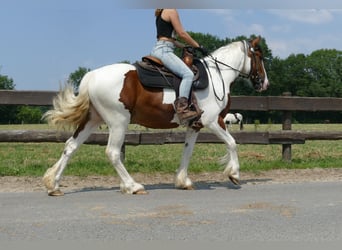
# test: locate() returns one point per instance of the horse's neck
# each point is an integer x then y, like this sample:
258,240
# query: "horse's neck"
230,60
232,54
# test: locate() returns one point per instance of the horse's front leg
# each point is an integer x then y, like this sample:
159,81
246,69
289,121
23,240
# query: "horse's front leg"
182,181
232,169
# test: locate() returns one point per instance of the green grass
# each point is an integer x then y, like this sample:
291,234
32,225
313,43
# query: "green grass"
20,159
32,159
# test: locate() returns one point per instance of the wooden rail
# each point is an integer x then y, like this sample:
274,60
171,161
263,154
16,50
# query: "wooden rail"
171,137
286,137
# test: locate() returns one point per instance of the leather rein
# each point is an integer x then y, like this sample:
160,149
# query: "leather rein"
248,48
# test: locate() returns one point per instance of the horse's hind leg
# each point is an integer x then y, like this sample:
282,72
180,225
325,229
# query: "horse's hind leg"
53,175
113,151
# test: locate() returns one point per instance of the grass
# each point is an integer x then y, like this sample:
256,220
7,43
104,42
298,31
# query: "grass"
32,159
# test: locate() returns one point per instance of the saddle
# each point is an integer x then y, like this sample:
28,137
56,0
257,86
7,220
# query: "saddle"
153,74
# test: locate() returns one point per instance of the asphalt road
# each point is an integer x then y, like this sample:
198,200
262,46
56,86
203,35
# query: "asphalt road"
265,212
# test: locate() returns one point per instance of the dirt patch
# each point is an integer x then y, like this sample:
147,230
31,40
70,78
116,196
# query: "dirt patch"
34,184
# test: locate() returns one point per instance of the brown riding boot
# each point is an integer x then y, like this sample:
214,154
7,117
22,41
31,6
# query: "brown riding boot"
183,111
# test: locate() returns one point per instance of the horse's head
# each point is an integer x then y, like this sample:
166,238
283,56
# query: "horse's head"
258,74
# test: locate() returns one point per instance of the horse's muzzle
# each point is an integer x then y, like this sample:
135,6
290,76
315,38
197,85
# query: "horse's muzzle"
260,84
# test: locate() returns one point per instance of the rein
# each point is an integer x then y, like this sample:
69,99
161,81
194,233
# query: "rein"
246,45
217,62
212,82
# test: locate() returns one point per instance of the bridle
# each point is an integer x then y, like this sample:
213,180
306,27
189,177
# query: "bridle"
256,55
256,78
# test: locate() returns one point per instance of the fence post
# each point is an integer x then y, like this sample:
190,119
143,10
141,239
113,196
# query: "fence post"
287,125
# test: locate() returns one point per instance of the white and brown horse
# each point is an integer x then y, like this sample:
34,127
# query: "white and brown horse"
114,95
232,118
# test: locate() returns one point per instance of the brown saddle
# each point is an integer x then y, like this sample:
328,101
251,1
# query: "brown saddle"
153,74
153,60
187,57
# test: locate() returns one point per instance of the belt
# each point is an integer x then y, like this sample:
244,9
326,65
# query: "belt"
163,38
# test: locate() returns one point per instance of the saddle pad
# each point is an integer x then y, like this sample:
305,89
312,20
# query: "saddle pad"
151,77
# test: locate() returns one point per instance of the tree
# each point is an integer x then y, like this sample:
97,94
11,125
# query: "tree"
7,112
75,77
15,113
6,82
208,41
290,75
318,74
324,68
28,115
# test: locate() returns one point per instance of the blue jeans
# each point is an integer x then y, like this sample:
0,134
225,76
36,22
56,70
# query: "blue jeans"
164,51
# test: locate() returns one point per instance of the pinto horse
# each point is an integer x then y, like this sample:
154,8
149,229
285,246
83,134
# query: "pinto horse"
231,118
114,95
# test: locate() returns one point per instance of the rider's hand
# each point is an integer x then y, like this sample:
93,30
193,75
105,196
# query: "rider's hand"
203,50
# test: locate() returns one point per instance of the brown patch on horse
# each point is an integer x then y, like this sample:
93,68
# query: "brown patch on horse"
146,104
81,126
223,113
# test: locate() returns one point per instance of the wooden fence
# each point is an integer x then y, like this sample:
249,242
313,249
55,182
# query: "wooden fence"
285,137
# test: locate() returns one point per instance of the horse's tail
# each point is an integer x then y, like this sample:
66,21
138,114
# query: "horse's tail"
69,110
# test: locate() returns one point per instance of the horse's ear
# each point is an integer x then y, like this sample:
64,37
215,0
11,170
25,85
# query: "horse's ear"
255,41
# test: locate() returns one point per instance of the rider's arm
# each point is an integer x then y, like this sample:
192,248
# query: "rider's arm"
172,16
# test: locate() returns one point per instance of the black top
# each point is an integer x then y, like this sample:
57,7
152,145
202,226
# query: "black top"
164,29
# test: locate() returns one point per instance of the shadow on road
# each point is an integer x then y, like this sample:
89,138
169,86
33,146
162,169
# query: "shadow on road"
200,185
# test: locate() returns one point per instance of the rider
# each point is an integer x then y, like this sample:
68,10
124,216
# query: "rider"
168,25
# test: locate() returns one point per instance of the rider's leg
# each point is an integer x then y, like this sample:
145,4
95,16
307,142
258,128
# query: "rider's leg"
164,50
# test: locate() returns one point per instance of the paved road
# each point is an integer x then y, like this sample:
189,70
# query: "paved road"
267,212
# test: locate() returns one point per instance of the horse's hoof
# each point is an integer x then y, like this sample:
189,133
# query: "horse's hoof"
141,192
56,193
234,180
